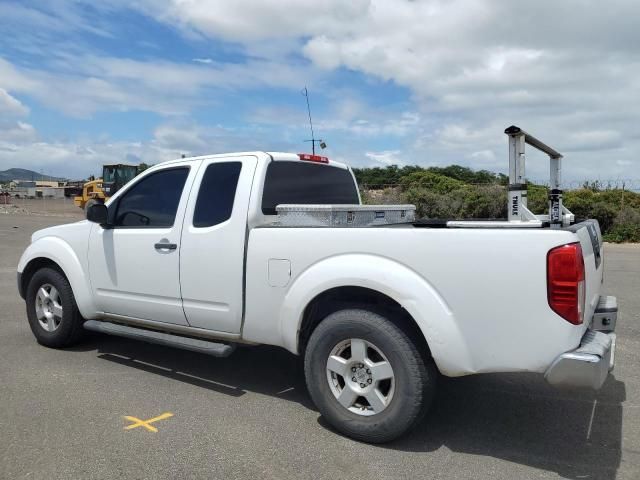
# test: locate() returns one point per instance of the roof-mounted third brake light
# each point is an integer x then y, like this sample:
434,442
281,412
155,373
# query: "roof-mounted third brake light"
313,158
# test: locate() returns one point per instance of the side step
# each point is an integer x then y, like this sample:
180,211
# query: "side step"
161,338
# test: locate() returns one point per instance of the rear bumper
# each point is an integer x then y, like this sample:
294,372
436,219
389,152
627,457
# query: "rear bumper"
588,365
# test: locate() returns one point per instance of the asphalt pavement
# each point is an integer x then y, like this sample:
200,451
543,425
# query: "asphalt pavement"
63,412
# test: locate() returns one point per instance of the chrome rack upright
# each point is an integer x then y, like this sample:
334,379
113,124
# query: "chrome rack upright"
558,214
518,214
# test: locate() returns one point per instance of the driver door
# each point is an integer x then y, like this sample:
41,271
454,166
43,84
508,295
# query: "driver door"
134,265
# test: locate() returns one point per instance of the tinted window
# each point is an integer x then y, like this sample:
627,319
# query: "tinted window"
306,183
217,191
153,201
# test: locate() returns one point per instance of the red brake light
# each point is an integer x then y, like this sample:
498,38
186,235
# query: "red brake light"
565,282
313,158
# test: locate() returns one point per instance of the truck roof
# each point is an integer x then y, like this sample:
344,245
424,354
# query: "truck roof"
261,156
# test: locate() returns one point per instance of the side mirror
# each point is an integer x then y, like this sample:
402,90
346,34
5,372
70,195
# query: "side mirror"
98,213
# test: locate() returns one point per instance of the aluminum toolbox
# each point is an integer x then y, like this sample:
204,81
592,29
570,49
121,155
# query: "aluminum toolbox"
344,215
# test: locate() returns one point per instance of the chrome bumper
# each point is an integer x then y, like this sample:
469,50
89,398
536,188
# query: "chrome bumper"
590,363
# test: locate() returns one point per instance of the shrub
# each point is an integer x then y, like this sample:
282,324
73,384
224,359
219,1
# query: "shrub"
484,201
458,192
470,201
434,205
386,196
625,228
538,199
586,203
431,181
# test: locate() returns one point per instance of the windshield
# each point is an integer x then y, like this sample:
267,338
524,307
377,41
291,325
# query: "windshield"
126,173
120,174
109,174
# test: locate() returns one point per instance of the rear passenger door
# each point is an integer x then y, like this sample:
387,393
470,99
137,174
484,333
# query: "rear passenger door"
213,244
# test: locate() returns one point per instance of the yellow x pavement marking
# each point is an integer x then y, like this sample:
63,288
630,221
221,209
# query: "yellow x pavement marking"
145,423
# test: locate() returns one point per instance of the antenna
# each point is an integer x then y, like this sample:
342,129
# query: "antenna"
313,140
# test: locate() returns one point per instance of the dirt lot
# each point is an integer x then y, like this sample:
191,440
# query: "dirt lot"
249,416
43,207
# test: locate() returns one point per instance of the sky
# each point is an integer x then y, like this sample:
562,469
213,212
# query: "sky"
429,83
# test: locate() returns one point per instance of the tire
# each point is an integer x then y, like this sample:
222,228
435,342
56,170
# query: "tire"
51,328
405,397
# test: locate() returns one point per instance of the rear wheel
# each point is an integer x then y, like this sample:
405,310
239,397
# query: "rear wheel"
366,376
51,309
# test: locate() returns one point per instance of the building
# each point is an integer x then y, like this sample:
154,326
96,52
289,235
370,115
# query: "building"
36,189
36,183
49,184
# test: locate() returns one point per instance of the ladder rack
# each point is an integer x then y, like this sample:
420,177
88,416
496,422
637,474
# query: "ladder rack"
518,214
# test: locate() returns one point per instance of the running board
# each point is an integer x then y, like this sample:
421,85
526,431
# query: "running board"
161,338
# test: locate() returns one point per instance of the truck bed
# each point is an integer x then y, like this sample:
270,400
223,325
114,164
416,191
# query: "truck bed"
481,292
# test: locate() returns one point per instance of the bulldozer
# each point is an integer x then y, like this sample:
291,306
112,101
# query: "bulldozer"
114,177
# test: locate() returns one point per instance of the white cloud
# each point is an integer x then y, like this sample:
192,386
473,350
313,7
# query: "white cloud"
10,106
565,71
81,85
593,140
79,158
17,132
255,20
194,139
385,157
344,113
369,125
58,16
484,156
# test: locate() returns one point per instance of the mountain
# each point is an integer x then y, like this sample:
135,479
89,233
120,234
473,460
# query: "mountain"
24,174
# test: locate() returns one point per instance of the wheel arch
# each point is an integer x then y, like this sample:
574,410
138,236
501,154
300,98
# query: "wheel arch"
341,298
381,283
55,253
31,268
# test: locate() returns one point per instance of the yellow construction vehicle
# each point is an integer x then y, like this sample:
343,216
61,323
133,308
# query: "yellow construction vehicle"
114,177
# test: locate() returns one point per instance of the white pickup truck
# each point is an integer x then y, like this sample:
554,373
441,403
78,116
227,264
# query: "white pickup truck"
193,254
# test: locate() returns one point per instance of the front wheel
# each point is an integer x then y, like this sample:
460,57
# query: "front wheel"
52,311
366,376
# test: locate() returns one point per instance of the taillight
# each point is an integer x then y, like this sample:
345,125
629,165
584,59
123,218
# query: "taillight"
313,158
565,282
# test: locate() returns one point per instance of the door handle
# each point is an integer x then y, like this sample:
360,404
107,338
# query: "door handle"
165,246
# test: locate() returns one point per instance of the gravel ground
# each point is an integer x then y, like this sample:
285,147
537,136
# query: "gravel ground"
249,416
47,207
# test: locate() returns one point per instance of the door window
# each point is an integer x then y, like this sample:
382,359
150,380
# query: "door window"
153,201
217,192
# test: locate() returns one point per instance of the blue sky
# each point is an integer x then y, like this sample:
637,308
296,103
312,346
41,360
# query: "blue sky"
427,82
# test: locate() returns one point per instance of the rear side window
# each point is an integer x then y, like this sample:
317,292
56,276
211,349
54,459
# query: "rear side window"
153,201
306,183
217,192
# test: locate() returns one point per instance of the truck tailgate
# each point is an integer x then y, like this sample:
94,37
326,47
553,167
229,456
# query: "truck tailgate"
590,237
